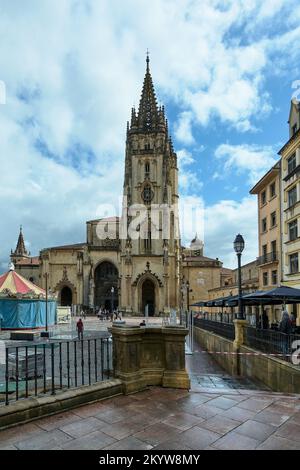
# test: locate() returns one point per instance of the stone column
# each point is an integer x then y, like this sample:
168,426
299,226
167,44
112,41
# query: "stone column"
239,326
175,374
239,340
127,343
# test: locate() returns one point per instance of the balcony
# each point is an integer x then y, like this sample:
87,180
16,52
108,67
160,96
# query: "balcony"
271,257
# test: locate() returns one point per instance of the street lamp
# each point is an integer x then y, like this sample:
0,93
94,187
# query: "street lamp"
239,245
46,277
112,290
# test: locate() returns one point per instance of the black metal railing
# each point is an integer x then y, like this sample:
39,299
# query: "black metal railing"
223,317
267,258
272,342
222,329
52,366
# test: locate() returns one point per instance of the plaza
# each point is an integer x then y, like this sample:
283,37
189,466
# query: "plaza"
218,413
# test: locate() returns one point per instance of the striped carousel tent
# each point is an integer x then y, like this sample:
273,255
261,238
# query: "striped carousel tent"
23,304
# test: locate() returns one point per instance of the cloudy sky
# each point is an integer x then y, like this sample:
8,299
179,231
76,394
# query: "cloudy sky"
73,69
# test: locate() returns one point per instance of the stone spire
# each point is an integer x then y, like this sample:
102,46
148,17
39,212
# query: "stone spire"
20,248
148,116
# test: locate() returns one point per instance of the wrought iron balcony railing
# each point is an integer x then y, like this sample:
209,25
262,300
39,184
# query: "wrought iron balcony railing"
267,258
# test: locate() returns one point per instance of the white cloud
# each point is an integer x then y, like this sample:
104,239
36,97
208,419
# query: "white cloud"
218,224
223,221
250,160
183,129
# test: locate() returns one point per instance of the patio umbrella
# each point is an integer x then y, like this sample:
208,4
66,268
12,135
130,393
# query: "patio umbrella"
278,295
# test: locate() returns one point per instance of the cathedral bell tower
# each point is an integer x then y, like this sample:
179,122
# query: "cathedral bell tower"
150,249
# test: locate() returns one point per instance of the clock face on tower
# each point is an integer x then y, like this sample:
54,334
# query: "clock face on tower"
147,194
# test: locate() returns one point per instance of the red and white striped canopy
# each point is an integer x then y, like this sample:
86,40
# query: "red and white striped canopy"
13,284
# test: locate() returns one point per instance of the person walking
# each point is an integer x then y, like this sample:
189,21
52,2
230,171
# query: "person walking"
285,326
265,320
80,328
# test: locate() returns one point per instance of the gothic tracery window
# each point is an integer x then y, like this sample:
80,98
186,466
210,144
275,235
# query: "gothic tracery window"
147,194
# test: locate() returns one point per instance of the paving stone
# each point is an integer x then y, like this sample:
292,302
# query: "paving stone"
182,420
17,433
93,441
56,421
129,443
255,404
278,443
223,403
235,441
82,427
289,430
113,415
206,411
220,424
43,441
272,418
198,438
123,429
258,431
238,414
172,445
157,433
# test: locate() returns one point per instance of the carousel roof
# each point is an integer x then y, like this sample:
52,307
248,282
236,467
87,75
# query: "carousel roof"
13,284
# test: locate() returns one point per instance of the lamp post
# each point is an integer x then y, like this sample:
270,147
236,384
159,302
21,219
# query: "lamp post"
112,290
239,245
46,277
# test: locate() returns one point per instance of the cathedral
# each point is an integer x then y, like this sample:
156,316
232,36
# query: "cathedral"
136,262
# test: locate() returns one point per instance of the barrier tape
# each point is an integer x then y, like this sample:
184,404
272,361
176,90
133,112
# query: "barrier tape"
243,353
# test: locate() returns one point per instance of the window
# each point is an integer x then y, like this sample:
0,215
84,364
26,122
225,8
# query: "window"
292,196
273,219
264,253
294,263
148,242
294,129
147,170
291,163
293,230
147,194
272,190
274,277
263,198
264,225
147,146
273,249
265,278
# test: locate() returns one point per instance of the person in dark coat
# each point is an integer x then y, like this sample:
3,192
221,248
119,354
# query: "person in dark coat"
80,328
285,326
264,321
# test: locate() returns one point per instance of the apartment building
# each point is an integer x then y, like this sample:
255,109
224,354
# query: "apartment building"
290,201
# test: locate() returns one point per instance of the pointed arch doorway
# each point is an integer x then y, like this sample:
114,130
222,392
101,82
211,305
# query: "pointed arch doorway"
148,297
66,297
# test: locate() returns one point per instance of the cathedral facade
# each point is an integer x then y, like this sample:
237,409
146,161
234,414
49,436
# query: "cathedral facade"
134,262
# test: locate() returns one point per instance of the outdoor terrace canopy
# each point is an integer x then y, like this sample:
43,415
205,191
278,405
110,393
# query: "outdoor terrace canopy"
278,295
23,304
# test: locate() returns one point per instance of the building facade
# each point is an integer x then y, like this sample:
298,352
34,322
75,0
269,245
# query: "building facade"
135,262
290,200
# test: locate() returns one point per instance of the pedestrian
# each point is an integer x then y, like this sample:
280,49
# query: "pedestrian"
143,323
285,326
265,321
80,328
